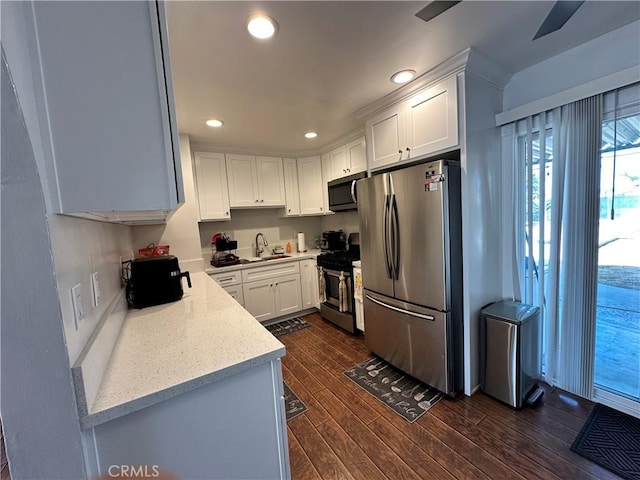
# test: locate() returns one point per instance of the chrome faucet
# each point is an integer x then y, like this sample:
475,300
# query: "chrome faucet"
264,243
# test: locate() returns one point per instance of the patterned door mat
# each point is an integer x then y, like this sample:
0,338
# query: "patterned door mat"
292,404
402,393
287,326
612,440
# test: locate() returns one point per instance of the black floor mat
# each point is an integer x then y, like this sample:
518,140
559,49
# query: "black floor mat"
292,404
402,393
612,440
287,326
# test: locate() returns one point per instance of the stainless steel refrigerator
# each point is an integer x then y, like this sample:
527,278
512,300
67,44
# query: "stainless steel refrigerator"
411,252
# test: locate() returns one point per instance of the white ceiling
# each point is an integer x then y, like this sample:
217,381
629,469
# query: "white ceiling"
331,58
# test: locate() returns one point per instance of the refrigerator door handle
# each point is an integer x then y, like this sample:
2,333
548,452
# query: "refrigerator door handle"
385,235
406,312
395,235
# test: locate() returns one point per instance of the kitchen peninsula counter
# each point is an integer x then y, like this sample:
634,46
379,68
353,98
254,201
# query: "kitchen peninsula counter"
171,349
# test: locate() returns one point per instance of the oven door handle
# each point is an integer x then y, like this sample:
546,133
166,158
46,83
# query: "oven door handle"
335,273
401,310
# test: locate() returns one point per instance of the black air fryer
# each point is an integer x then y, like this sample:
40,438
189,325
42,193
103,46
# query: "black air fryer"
155,281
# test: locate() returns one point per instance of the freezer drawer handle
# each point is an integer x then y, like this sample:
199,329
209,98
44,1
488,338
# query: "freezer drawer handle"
406,312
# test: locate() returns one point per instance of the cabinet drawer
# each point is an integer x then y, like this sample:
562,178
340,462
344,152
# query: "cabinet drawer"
236,292
262,273
228,278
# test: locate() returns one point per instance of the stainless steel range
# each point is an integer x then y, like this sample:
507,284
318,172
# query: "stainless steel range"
337,276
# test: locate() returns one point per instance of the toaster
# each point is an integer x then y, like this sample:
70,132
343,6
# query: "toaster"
154,281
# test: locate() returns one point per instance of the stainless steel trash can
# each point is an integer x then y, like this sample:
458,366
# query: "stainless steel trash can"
510,353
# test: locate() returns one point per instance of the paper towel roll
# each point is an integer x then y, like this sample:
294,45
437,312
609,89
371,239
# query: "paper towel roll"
301,245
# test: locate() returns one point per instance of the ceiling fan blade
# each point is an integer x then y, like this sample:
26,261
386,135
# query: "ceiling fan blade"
435,8
560,12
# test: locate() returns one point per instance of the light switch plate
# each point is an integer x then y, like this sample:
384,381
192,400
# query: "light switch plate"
76,302
95,289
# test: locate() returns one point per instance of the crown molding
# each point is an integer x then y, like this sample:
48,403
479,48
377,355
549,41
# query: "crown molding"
469,61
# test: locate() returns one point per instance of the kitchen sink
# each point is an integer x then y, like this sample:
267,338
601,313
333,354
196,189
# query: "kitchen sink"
276,257
244,261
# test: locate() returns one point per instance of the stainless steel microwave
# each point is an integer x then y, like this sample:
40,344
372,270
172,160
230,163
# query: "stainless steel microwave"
342,192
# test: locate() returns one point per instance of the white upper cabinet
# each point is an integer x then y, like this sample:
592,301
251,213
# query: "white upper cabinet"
425,123
255,181
292,193
271,191
385,137
109,107
243,181
356,156
432,119
348,159
210,174
311,185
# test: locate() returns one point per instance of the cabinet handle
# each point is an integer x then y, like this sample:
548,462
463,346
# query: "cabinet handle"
289,210
276,284
320,208
262,201
400,152
348,170
226,213
256,200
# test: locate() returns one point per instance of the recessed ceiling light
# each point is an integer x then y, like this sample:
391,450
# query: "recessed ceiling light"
310,135
262,26
403,76
214,122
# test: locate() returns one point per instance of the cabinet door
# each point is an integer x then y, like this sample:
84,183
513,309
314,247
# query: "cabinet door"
109,103
356,156
309,281
243,183
339,166
236,292
385,137
259,299
211,186
292,193
271,192
311,185
288,295
432,119
326,173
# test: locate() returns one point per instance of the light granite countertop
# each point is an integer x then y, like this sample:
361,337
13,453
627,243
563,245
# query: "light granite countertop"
171,349
294,257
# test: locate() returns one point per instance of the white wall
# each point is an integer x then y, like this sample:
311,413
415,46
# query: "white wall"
181,231
607,54
346,221
81,247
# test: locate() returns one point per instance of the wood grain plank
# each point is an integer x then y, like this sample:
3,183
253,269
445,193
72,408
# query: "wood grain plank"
315,412
494,445
393,466
301,466
320,454
491,465
418,460
443,450
530,425
311,383
356,461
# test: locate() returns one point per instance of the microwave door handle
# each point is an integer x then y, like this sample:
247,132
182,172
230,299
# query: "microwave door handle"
353,191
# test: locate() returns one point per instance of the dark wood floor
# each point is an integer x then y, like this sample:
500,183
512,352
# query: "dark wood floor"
346,433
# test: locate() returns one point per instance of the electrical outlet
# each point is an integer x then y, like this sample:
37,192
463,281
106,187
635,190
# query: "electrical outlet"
95,289
76,302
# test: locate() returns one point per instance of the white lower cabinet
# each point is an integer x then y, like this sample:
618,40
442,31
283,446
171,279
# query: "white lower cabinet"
273,297
309,280
199,433
236,292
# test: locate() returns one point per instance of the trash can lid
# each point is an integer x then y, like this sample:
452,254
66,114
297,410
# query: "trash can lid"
512,312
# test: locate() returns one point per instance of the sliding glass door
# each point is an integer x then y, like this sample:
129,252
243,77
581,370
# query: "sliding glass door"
617,342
